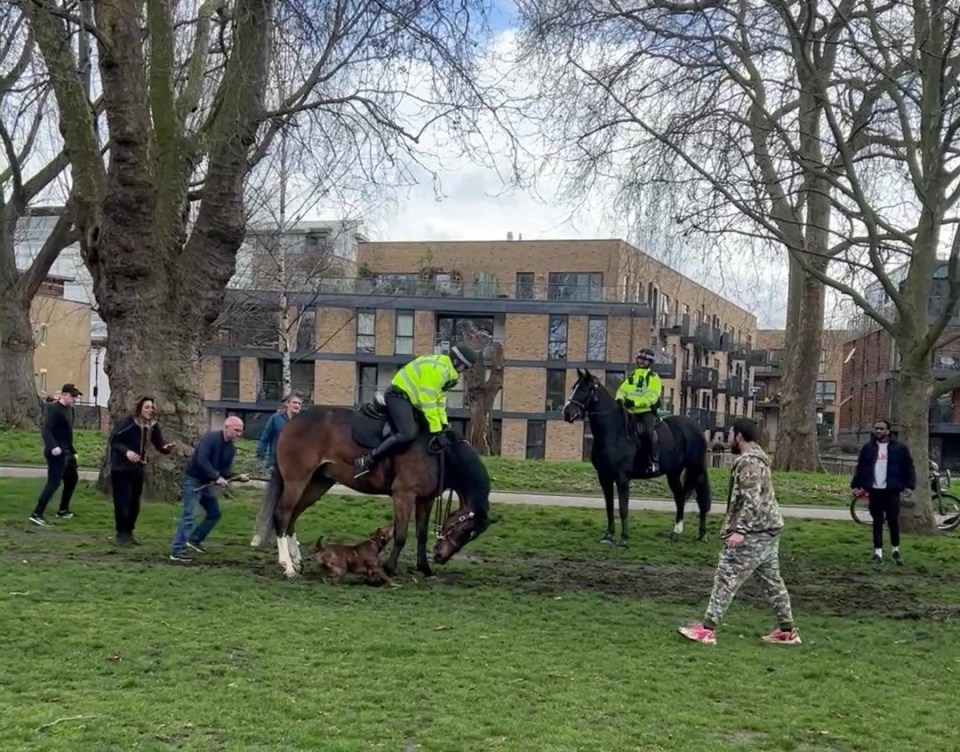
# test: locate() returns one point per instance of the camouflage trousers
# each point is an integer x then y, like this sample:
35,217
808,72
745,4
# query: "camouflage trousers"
759,554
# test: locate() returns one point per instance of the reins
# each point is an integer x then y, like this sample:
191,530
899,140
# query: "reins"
442,510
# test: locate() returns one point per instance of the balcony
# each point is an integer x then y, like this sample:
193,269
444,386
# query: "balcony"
733,386
442,343
675,326
766,400
665,367
708,337
756,358
701,377
740,352
771,365
706,419
482,287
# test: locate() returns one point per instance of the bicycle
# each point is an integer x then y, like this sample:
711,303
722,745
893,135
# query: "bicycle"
946,506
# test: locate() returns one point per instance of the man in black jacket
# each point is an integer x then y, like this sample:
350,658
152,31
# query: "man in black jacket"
60,455
884,470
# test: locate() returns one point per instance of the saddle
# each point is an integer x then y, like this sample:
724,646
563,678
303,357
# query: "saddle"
369,424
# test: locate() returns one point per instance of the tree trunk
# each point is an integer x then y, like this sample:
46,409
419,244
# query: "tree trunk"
19,406
914,390
797,434
155,352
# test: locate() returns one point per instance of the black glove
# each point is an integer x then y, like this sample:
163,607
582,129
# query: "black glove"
439,441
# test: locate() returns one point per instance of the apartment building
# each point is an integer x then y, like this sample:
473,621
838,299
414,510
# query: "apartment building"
767,362
553,305
61,330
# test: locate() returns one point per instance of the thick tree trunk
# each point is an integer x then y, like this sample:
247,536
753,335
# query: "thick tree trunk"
155,352
19,406
914,390
797,433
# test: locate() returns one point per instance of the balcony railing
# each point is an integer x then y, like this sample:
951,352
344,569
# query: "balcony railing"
733,386
765,400
706,419
676,325
701,377
487,289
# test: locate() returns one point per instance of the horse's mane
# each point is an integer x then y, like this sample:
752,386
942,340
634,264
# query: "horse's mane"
466,474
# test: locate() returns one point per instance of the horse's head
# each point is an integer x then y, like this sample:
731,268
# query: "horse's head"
467,476
457,530
583,398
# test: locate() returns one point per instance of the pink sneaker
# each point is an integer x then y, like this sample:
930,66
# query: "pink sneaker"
699,633
779,637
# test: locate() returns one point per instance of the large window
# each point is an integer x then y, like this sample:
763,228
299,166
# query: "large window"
575,286
453,328
366,331
556,388
301,379
525,285
597,339
271,381
367,379
536,439
826,393
613,381
403,342
230,378
557,338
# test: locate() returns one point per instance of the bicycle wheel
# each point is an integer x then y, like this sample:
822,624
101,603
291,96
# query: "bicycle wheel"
860,511
947,512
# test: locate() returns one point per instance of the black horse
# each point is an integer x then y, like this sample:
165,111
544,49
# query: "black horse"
618,458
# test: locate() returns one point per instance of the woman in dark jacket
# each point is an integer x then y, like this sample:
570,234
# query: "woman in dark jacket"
128,459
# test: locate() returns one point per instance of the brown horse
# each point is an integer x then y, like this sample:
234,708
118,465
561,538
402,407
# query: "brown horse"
317,448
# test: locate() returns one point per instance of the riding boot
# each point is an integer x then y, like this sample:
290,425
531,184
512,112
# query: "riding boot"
654,452
362,465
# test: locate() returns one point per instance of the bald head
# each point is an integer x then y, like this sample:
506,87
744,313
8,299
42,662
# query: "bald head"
232,428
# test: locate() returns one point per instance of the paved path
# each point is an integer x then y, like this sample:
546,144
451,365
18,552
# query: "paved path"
499,497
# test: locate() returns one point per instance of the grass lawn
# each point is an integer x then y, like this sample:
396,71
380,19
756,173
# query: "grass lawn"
575,478
535,637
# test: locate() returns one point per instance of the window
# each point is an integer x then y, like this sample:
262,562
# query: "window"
271,381
556,388
536,439
306,331
229,378
596,338
403,342
613,381
42,381
826,392
557,338
367,379
366,331
822,368
525,285
42,335
575,286
301,379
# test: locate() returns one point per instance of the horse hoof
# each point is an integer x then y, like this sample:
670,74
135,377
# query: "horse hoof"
702,538
622,543
290,574
674,536
606,538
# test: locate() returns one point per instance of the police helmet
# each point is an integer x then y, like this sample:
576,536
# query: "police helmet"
646,353
463,356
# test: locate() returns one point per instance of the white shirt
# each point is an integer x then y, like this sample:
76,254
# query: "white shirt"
880,468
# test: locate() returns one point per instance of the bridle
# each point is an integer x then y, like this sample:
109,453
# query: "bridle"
445,508
585,409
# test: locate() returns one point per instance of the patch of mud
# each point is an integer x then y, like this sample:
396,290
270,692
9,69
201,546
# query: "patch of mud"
848,594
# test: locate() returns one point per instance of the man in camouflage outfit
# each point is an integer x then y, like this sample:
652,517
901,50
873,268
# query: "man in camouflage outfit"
751,534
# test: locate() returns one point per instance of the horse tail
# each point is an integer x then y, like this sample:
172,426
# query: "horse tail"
266,527
695,454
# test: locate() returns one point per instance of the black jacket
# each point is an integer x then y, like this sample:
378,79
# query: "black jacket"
900,471
128,435
57,430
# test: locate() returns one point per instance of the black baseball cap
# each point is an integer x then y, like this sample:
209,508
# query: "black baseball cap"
72,390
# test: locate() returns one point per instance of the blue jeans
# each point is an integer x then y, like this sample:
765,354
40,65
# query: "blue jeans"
193,495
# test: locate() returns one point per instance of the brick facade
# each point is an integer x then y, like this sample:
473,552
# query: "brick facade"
632,286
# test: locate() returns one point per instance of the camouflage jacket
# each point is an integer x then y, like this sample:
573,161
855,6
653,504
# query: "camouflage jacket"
751,503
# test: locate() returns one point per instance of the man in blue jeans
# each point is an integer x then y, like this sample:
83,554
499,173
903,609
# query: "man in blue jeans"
209,465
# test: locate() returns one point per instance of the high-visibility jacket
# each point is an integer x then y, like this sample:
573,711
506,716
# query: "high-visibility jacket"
640,391
425,380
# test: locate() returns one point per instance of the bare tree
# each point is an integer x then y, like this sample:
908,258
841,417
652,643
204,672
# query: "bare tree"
827,129
189,111
481,384
30,174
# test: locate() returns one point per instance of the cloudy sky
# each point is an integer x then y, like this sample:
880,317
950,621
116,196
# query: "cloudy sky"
475,204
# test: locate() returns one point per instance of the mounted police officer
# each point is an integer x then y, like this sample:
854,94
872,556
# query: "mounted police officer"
420,385
640,394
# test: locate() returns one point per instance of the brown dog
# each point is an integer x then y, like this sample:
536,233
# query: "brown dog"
362,558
